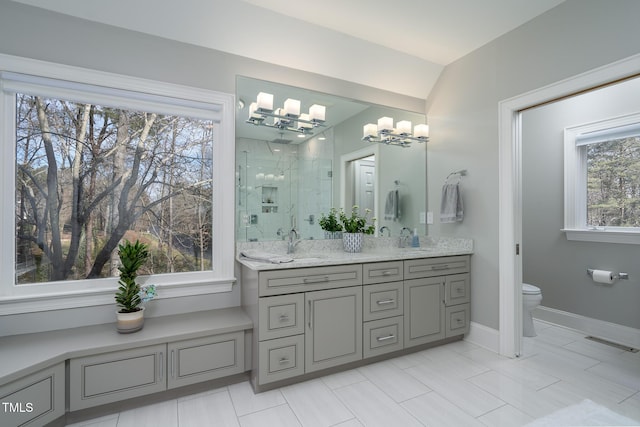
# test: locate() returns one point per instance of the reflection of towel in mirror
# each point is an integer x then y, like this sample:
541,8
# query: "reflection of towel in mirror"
451,209
392,206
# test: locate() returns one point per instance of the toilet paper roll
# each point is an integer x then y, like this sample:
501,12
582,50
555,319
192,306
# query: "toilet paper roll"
603,276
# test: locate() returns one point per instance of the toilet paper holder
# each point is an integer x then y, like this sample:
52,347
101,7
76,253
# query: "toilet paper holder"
619,276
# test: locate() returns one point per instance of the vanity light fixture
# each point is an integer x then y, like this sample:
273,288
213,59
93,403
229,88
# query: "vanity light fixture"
401,135
261,113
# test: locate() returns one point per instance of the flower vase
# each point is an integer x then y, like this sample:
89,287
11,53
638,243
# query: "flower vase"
333,234
130,322
352,242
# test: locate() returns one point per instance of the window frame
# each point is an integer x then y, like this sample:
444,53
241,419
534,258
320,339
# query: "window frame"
25,298
575,186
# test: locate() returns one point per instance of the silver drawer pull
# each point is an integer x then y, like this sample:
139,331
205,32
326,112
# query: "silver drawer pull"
316,279
386,273
459,320
284,317
440,267
460,290
283,361
385,302
389,337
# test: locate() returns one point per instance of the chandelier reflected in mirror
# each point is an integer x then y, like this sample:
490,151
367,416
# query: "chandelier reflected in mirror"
401,135
289,118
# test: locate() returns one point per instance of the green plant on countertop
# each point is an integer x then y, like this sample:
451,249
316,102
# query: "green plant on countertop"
129,295
356,223
330,222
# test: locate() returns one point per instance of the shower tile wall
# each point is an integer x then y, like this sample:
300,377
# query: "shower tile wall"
279,186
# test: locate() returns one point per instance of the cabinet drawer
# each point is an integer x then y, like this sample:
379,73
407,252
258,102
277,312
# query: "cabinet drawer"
293,280
380,272
429,267
281,358
382,300
456,289
457,319
109,377
280,316
382,336
203,359
34,400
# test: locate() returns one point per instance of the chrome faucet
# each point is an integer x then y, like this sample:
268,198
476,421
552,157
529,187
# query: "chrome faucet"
293,241
404,240
384,227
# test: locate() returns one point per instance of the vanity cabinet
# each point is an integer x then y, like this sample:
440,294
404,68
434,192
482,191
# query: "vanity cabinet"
34,400
333,334
309,319
383,307
437,298
424,311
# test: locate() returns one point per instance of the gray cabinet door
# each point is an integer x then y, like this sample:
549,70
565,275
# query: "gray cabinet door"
109,377
34,400
423,310
203,359
333,333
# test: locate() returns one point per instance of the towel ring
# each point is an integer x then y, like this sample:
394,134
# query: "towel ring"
459,175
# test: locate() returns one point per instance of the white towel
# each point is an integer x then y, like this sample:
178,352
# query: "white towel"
256,255
392,206
451,208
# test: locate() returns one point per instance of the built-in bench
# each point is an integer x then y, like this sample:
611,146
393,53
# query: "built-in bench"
95,365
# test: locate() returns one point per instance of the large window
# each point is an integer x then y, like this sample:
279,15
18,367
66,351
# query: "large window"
602,180
91,160
89,176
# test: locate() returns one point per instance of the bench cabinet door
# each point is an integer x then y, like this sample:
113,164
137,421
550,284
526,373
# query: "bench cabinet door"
110,377
202,359
35,399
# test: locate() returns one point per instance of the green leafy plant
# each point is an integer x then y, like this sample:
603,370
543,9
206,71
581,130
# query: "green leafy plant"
330,222
356,223
132,257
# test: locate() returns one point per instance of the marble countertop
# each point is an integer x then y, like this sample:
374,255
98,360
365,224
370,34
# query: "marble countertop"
316,253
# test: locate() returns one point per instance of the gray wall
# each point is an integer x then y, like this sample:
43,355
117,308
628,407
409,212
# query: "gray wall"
550,261
462,111
35,33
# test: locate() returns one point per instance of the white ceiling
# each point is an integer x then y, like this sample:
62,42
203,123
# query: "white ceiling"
399,45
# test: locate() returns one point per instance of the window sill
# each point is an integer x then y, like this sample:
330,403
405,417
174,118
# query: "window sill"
603,236
44,302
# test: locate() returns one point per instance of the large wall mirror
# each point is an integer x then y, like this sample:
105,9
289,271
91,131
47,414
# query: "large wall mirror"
286,179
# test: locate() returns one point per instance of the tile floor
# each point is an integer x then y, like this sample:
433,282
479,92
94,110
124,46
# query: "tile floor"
459,384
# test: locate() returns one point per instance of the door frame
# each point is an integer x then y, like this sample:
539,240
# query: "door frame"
345,159
510,187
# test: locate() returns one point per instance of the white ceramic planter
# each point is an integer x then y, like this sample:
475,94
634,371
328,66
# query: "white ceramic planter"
130,322
352,242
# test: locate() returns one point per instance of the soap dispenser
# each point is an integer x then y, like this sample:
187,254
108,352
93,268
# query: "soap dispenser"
415,241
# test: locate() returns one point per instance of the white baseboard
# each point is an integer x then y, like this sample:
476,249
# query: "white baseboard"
598,328
484,336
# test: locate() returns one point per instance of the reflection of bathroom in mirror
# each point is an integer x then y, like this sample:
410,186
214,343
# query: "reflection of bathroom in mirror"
286,179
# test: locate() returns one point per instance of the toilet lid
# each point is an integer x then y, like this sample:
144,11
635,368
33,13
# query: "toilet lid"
528,289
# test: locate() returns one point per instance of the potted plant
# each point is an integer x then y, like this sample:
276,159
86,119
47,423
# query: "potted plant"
130,296
331,225
355,227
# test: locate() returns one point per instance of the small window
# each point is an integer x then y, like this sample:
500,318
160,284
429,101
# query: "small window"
602,181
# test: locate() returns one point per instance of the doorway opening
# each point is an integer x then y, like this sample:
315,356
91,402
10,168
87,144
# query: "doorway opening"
510,188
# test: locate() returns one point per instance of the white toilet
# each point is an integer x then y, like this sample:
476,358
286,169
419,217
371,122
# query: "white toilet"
531,298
